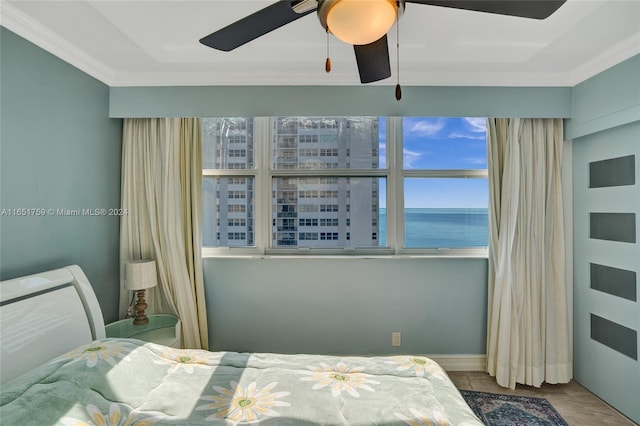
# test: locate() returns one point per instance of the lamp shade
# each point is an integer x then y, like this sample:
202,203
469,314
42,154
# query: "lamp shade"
140,274
359,22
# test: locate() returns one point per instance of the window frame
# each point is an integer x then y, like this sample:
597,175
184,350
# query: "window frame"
263,173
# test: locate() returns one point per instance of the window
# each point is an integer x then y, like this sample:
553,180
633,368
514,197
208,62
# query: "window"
228,202
328,207
328,236
309,222
445,188
308,236
345,184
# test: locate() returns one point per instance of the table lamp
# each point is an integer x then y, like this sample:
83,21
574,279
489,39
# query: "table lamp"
139,276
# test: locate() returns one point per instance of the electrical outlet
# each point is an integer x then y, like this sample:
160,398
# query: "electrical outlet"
395,338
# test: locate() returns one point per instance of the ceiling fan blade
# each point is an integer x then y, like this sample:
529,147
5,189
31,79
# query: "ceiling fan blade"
523,8
255,25
373,60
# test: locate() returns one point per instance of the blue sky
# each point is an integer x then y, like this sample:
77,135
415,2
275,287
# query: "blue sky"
442,143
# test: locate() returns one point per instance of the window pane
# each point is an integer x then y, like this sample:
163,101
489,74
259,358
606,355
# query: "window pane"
326,212
227,143
444,143
320,143
228,206
446,213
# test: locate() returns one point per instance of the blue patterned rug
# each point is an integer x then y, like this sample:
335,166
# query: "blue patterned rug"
496,409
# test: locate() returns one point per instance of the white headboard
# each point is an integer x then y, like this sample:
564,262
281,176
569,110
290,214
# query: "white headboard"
45,315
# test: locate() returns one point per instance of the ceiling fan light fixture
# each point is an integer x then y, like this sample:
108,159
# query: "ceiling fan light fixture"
358,22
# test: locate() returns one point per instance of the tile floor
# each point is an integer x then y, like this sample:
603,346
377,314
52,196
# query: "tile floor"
578,406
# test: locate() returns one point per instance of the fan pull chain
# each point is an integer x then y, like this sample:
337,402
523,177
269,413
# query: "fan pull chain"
398,88
327,64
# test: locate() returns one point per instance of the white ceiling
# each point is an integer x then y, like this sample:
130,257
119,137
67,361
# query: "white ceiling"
154,42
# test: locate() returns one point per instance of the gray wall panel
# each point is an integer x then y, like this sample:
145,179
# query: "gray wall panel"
617,337
615,281
613,226
613,172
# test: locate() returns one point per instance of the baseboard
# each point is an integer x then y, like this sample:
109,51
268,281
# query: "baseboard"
461,362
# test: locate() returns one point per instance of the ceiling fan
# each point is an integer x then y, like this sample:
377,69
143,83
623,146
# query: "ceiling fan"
362,23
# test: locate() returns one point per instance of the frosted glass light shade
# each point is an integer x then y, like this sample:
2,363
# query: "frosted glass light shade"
140,274
361,22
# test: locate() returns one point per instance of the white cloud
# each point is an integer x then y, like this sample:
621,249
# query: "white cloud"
410,157
476,161
475,128
426,127
476,124
467,136
382,155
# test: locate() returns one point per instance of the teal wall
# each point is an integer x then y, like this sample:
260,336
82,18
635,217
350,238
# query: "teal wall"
347,305
340,100
605,101
59,149
606,124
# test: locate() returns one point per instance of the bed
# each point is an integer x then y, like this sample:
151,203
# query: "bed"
57,368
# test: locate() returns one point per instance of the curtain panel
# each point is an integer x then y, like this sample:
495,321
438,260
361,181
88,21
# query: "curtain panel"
528,324
161,191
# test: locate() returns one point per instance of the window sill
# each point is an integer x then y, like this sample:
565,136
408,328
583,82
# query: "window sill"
481,253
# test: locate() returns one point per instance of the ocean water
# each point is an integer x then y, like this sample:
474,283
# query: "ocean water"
434,228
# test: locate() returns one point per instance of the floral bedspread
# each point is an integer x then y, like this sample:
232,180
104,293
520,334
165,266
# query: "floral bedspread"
128,382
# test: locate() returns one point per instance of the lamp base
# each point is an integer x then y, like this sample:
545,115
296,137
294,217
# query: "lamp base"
141,321
140,307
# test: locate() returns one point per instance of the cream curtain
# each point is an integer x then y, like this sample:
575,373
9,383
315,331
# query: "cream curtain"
528,324
161,191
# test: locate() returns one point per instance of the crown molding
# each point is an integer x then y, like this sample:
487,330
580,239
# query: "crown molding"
618,53
33,31
407,78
